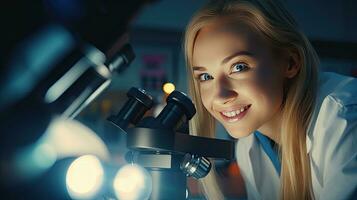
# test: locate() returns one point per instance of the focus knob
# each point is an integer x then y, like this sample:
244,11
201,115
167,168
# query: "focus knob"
195,166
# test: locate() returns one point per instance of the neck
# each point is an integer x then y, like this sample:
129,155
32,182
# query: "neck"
272,128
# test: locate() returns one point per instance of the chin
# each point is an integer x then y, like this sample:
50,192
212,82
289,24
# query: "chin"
238,134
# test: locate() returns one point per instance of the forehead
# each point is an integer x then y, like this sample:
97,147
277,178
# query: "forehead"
220,38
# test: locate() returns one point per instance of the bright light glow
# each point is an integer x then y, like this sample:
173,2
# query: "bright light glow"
63,138
70,138
132,182
84,177
168,88
44,155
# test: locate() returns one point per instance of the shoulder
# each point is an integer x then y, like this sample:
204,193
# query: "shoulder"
336,106
341,89
333,130
332,136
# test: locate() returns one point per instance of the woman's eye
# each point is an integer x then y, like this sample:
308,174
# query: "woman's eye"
239,67
205,77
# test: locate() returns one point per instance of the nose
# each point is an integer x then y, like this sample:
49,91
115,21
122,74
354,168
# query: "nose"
225,92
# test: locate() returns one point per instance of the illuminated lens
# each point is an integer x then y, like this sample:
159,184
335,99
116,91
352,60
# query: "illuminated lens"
84,177
168,88
132,182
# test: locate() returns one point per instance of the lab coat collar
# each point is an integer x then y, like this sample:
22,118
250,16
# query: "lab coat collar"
250,142
256,162
308,143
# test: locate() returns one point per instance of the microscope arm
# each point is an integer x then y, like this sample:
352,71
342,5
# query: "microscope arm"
147,139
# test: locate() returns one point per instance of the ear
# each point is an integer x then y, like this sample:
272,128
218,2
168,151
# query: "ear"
293,66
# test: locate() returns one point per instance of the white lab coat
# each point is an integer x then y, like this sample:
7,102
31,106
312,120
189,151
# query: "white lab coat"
331,145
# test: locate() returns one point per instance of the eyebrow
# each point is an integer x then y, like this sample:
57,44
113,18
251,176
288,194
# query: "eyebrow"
198,68
225,60
239,53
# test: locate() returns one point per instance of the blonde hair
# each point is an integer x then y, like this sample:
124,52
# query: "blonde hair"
275,24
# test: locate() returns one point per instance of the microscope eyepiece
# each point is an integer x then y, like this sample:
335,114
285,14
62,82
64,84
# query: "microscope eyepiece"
134,109
179,109
184,102
141,96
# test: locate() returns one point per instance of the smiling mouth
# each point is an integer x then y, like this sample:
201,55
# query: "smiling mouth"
235,115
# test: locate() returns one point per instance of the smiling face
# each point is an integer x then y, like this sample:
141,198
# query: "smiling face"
240,78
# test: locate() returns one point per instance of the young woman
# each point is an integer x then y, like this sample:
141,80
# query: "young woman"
254,71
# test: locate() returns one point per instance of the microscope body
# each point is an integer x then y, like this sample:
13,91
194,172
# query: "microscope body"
163,145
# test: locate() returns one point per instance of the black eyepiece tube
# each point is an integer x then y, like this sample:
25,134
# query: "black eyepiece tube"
134,109
178,110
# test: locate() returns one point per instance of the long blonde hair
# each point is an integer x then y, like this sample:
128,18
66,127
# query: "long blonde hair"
272,20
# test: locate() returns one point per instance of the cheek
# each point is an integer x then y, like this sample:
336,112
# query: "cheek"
206,97
268,87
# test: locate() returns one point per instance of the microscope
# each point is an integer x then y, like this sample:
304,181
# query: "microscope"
163,145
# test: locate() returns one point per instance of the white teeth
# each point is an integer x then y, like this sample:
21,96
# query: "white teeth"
229,114
234,113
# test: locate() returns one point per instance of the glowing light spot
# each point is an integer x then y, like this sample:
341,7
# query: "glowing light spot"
84,177
168,88
132,182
